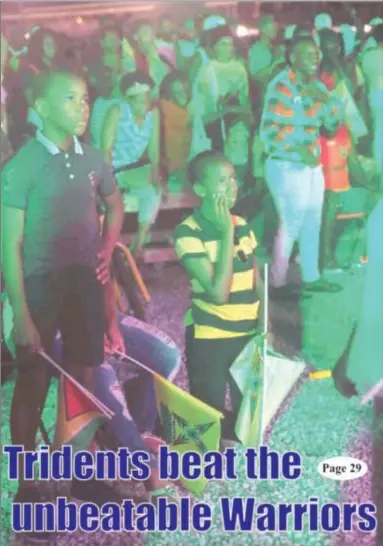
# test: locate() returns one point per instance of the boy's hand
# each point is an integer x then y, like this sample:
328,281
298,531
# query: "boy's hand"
113,341
25,334
223,219
103,268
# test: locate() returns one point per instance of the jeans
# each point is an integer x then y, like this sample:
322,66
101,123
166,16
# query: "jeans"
297,192
136,412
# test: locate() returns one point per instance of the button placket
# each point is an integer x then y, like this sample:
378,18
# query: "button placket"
68,165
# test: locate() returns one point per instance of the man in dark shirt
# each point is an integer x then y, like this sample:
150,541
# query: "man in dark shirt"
55,259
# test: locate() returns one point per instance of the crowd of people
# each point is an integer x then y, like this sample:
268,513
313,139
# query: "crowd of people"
278,129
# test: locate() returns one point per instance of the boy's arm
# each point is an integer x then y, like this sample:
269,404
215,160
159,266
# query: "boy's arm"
25,332
109,131
114,218
215,279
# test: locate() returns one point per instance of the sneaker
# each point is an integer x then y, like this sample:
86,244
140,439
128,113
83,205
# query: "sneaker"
33,495
287,293
322,286
95,491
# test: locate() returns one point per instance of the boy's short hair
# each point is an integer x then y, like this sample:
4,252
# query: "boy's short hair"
197,166
44,80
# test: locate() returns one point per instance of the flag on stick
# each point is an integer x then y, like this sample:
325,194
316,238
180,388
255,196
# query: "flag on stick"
249,372
189,424
79,414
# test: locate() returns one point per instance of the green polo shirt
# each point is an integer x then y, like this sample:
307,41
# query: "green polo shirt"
59,192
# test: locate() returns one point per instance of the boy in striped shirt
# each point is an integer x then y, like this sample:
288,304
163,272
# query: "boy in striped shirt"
217,251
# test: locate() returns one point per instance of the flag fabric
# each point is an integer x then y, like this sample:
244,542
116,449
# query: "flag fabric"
189,424
78,417
248,372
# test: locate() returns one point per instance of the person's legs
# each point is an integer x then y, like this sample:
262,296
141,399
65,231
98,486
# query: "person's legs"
288,185
157,351
149,201
208,363
332,200
27,402
309,235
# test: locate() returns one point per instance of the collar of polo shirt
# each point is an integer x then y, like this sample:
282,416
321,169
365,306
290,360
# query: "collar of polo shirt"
53,149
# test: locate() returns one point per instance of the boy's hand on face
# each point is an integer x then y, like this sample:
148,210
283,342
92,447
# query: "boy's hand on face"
25,334
103,268
223,219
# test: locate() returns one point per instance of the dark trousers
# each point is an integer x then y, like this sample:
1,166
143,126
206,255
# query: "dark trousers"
207,363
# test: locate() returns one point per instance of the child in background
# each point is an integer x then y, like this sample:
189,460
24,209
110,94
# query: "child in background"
217,251
176,124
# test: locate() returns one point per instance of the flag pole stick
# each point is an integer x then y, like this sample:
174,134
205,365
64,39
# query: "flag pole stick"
104,409
137,362
372,393
264,356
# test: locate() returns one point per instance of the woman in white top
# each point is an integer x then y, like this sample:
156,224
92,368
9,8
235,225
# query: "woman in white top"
131,144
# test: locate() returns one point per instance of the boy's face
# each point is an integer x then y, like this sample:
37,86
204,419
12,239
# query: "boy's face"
65,105
49,46
139,104
239,135
224,49
180,93
219,180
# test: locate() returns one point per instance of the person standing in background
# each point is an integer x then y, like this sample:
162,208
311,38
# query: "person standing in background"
147,57
104,86
263,62
372,66
344,81
5,145
296,106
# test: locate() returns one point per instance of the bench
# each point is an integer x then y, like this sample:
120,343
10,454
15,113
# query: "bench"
173,210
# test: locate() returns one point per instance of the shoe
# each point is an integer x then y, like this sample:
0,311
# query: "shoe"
322,286
95,491
32,495
287,293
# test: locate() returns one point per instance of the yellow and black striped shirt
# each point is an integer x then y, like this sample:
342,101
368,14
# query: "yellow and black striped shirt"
196,237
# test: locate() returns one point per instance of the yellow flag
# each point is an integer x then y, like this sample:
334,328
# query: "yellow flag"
189,424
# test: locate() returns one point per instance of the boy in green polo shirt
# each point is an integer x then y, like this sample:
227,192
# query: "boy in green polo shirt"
55,261
217,251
